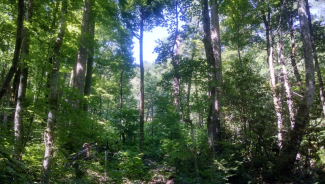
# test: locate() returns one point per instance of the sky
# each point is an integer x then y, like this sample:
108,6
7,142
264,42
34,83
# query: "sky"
149,44
149,38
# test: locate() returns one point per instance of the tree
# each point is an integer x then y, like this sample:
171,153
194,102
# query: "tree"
292,145
53,96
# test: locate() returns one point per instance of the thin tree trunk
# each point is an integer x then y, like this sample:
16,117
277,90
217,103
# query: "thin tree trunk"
19,39
213,120
141,143
238,50
121,100
215,35
276,101
319,74
18,121
292,146
53,97
79,79
90,60
293,51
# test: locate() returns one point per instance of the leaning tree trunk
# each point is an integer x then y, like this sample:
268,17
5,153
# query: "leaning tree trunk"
79,78
141,143
215,35
19,39
213,119
90,61
292,146
18,120
53,97
319,74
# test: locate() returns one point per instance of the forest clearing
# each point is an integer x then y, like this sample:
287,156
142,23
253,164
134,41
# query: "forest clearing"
235,94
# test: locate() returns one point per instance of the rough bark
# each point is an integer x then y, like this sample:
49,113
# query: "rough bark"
215,36
90,61
286,84
79,79
141,143
53,97
292,146
213,120
19,39
19,112
319,74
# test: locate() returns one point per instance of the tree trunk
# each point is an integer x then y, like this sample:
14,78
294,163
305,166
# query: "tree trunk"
79,79
18,121
53,97
286,84
141,143
276,101
292,146
293,50
19,39
238,49
213,120
319,74
90,60
215,35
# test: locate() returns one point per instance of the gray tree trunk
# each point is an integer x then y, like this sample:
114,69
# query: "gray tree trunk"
292,146
19,112
53,97
213,119
215,36
319,74
79,78
90,61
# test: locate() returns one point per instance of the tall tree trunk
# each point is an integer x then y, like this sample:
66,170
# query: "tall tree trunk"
90,60
319,74
19,39
141,143
53,97
293,50
286,84
292,146
175,62
18,121
213,120
276,100
121,101
238,48
79,79
215,35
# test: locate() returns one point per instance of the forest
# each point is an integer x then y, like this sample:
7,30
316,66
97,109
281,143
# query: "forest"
235,95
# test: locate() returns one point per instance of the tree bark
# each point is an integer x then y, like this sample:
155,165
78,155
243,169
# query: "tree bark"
292,146
53,97
141,143
19,39
215,35
319,74
90,61
213,120
286,84
79,79
18,120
